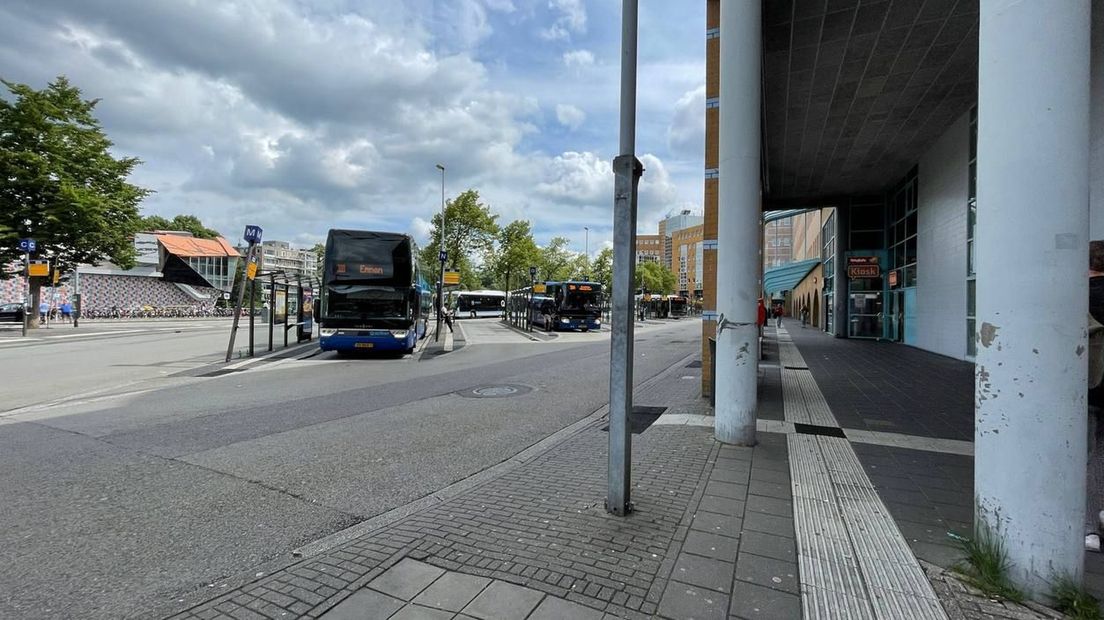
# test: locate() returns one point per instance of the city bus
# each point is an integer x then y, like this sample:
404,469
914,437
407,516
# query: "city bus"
568,305
478,304
373,297
677,306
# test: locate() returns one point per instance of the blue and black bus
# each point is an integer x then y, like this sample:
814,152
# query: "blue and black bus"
373,296
568,306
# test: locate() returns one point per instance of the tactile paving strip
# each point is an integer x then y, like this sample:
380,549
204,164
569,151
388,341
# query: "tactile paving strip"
854,562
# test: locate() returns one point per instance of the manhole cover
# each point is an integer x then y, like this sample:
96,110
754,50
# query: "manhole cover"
495,391
498,390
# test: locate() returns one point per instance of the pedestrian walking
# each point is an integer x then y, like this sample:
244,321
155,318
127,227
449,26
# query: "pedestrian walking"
67,312
804,314
43,311
778,317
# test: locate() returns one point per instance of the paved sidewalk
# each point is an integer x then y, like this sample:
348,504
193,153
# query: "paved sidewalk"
841,510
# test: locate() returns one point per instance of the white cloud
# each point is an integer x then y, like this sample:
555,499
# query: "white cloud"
572,20
578,58
569,115
686,133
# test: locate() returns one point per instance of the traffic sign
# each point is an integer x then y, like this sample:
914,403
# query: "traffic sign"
443,256
28,245
252,234
251,270
452,277
532,272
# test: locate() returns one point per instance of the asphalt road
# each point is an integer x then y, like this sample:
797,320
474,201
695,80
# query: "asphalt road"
127,503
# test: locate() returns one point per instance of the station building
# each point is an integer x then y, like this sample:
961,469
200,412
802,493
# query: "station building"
941,152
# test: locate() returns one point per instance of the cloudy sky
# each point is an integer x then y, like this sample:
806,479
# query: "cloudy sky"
305,115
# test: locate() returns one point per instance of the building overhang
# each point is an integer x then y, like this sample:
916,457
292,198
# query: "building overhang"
854,92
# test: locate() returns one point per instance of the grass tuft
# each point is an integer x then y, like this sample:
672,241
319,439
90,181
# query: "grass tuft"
1071,599
986,564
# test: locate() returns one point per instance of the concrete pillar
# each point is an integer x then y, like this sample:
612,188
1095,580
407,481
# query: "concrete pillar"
1032,263
839,287
1096,121
738,221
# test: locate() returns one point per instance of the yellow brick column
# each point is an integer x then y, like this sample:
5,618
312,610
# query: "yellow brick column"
709,243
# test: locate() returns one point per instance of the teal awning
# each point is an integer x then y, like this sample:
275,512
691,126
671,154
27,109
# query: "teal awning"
786,277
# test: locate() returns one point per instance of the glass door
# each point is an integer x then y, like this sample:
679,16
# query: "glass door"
865,315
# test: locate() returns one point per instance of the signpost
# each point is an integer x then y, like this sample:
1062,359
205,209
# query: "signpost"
28,246
253,237
443,256
452,278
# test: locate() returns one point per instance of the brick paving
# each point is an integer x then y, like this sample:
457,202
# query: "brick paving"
712,534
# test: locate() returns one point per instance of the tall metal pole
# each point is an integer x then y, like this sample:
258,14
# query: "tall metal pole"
252,311
241,297
27,296
586,247
441,252
627,169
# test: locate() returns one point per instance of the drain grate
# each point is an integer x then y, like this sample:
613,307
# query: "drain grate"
812,429
796,367
641,418
694,364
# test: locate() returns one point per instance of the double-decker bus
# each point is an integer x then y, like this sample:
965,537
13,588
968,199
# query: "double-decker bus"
568,305
373,296
478,304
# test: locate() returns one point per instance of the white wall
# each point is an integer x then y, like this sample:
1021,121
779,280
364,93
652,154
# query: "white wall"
943,178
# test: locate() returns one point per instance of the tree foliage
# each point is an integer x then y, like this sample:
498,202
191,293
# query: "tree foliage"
186,223
470,231
602,270
654,278
60,184
516,251
556,260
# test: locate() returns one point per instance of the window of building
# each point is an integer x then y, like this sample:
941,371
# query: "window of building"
901,232
828,257
971,227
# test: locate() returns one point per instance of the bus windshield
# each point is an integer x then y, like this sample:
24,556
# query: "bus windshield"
583,297
383,259
366,302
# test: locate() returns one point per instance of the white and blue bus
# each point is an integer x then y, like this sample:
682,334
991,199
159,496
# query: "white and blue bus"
373,296
478,304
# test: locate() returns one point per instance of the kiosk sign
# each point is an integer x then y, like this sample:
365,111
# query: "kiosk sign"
863,267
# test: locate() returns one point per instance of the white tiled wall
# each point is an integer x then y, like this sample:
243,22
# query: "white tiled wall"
941,246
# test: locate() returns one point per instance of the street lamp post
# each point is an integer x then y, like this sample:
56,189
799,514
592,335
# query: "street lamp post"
587,250
443,256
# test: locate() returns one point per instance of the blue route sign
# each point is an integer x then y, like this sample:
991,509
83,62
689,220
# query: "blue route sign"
28,245
252,234
443,256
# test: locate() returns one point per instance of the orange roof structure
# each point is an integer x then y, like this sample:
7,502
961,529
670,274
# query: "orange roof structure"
189,247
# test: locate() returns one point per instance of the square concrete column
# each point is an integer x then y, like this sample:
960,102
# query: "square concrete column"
1032,302
738,221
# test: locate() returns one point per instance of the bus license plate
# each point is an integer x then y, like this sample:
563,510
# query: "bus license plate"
365,345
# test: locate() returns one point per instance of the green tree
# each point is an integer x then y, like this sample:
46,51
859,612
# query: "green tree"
470,230
516,252
59,183
319,250
555,260
654,278
602,271
186,223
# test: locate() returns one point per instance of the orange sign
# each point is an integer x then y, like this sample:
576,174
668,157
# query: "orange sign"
38,269
452,277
